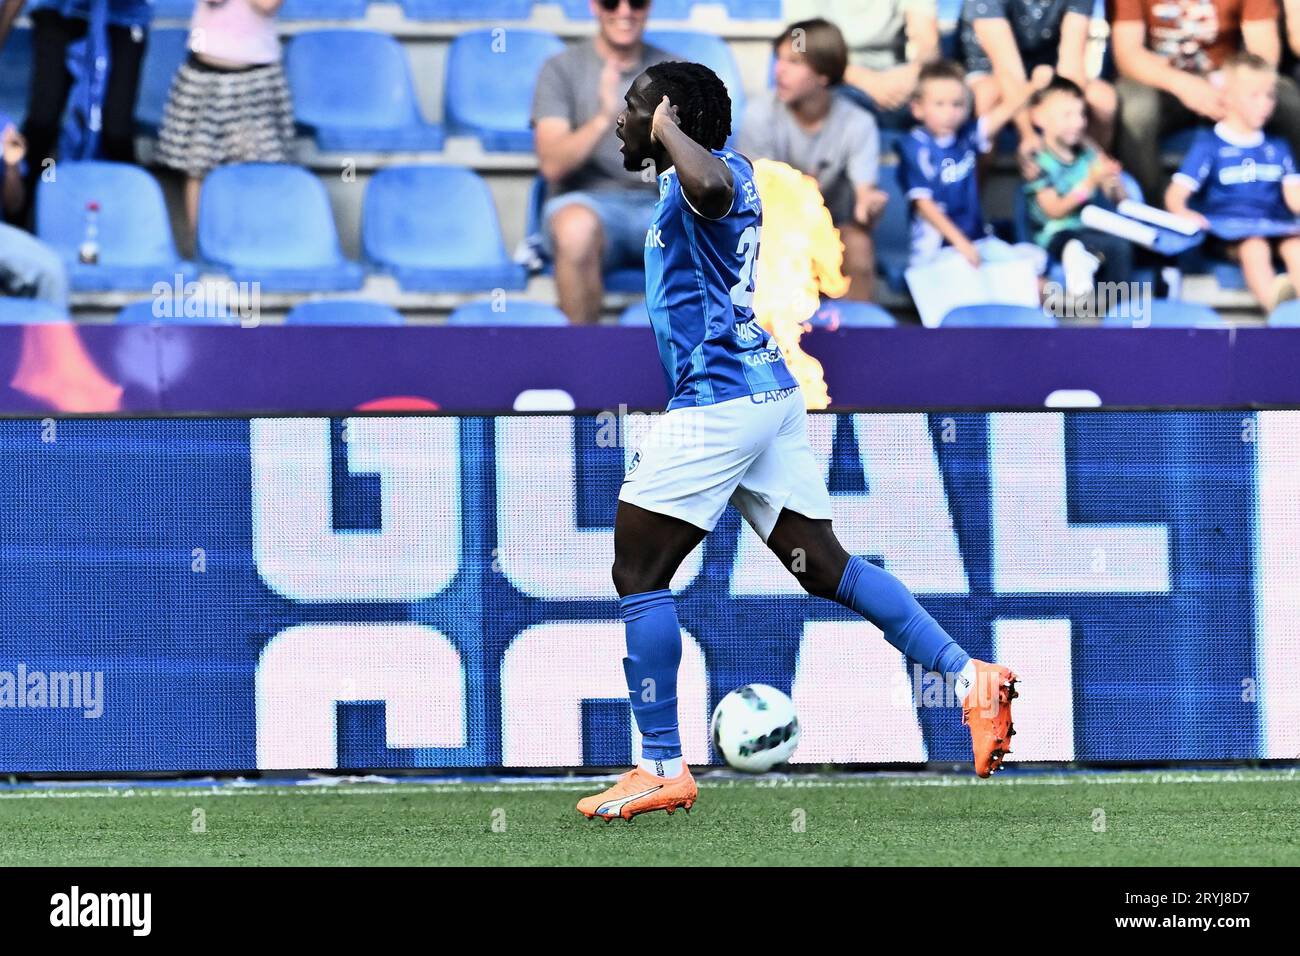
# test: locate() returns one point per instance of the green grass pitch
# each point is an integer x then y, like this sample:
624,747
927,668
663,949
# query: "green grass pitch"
1148,818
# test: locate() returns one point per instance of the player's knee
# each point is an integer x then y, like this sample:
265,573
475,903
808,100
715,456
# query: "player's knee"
576,232
629,578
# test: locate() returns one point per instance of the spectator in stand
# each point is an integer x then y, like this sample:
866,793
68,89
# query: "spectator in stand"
1003,40
803,123
1169,54
882,71
1246,183
937,162
1074,173
229,102
28,267
57,24
597,213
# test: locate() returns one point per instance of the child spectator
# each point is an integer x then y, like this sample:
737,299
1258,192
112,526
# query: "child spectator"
937,160
28,267
889,41
229,102
801,122
1245,182
1073,173
1003,40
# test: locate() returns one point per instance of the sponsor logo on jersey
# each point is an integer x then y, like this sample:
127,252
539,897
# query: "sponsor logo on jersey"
773,395
749,331
654,238
954,171
1249,171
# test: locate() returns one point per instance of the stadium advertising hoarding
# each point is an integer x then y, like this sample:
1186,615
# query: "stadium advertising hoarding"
205,370
433,591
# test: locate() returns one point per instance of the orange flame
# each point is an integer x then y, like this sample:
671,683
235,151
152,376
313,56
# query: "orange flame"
800,259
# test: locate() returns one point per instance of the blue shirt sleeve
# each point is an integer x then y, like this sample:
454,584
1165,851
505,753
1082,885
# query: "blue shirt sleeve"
913,176
1198,163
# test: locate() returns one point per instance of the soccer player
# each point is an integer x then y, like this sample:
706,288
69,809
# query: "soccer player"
734,430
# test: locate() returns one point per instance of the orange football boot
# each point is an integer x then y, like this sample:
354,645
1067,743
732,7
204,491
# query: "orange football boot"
987,712
639,791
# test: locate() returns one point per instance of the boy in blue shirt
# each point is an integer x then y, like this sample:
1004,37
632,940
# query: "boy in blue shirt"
1245,183
937,160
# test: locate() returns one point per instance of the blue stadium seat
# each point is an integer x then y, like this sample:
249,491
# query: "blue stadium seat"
435,229
353,90
323,10
515,312
662,9
1168,314
198,311
172,9
844,314
635,314
713,52
949,10
20,311
272,223
164,52
343,312
136,249
460,10
995,316
16,75
754,9
893,233
1286,315
490,79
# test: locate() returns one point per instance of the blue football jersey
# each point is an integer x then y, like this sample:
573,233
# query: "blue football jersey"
1238,176
943,170
699,282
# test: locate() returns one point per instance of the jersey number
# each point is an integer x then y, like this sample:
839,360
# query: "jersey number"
742,293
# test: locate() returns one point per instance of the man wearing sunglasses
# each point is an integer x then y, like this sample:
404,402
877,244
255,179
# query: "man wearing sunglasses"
597,212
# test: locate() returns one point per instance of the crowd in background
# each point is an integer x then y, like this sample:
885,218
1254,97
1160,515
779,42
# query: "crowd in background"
847,77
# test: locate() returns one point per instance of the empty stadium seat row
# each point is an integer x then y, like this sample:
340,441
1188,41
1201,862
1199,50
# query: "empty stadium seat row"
353,89
433,228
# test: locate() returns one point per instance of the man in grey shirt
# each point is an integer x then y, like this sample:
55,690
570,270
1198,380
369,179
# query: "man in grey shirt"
803,123
597,213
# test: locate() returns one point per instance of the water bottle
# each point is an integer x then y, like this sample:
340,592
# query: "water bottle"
89,251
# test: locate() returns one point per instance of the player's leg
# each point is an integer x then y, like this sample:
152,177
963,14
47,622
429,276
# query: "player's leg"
784,499
810,550
676,489
648,549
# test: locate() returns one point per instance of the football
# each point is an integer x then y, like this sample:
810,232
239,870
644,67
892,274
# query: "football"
755,728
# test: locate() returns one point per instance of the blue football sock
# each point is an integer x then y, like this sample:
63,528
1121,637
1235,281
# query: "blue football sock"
884,601
654,652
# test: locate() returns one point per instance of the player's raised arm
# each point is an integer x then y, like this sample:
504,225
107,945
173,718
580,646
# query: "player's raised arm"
706,180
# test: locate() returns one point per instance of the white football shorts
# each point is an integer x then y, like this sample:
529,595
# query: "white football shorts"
751,451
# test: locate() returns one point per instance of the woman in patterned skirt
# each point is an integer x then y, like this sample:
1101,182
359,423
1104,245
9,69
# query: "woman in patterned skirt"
229,102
